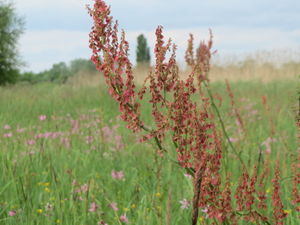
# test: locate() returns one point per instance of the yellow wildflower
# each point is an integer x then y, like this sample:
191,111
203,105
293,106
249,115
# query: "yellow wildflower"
158,194
201,219
47,189
133,206
287,211
39,211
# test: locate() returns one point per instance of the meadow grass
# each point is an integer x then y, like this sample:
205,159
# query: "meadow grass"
52,170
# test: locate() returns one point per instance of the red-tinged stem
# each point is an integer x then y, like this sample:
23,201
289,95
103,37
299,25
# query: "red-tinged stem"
196,197
141,125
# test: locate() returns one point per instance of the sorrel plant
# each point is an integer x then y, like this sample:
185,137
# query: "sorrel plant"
184,111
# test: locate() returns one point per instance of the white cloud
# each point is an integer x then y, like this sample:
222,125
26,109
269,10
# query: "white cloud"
35,5
43,48
36,42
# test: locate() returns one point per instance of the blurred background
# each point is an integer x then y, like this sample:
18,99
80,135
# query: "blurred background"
246,33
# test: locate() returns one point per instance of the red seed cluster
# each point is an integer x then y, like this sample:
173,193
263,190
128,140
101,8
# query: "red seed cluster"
296,180
261,190
110,55
278,212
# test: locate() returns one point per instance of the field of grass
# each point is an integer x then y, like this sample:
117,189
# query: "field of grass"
66,158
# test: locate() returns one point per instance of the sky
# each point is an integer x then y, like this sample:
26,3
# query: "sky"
57,30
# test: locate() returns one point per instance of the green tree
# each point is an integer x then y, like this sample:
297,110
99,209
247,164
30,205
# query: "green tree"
59,73
142,51
11,27
84,65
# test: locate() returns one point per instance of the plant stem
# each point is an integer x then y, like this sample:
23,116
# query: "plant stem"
222,124
196,197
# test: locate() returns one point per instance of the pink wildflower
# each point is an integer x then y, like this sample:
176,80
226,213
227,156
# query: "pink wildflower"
75,126
102,223
84,188
267,144
47,134
93,207
232,139
56,134
117,175
39,136
205,211
114,206
107,132
42,117
12,213
31,142
124,218
6,127
188,175
89,139
184,204
74,182
7,135
20,130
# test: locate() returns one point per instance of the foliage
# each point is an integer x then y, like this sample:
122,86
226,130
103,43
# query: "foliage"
142,51
29,77
81,65
11,27
59,72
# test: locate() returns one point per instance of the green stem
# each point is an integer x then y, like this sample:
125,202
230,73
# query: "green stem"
222,124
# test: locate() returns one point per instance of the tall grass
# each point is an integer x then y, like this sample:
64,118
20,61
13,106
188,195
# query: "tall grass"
27,169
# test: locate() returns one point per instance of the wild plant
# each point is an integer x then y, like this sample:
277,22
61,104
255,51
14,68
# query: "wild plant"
183,111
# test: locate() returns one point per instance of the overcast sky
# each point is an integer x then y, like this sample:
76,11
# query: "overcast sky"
57,30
